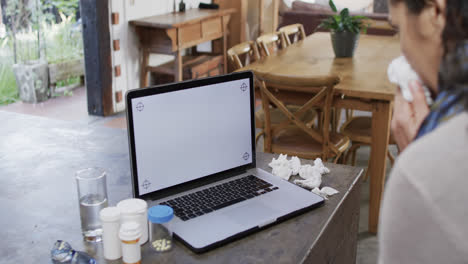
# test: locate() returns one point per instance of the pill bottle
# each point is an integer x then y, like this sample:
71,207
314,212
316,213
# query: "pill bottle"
110,220
135,210
129,234
160,217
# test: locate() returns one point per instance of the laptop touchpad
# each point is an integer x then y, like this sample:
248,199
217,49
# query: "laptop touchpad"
252,214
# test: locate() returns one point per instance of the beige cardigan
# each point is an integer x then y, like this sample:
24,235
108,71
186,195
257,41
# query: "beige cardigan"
424,217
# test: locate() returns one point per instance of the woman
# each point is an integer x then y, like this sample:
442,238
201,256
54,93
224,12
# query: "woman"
424,213
421,24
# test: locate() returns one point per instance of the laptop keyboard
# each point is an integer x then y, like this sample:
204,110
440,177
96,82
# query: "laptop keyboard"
214,198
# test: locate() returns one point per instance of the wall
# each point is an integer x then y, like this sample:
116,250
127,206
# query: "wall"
253,13
380,6
128,55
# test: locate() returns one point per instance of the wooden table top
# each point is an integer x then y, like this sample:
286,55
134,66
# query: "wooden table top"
39,157
179,19
363,76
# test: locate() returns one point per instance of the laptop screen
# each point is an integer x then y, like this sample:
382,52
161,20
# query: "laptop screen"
189,133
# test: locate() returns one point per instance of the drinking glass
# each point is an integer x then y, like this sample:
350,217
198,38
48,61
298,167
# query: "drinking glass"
92,197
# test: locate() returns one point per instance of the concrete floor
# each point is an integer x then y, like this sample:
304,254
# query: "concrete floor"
69,108
367,243
74,108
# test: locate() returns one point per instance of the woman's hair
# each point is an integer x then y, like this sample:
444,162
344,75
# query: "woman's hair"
456,27
456,13
414,6
453,72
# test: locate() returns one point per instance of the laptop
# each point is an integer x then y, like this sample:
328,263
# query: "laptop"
192,147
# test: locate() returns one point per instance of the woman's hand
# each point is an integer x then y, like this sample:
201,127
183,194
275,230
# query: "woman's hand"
408,116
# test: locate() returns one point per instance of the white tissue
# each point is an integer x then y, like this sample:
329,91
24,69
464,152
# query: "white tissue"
283,172
307,172
284,168
295,165
325,192
282,159
318,164
312,175
310,183
400,72
329,191
281,167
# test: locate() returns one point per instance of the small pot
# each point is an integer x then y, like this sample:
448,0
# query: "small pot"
344,43
32,80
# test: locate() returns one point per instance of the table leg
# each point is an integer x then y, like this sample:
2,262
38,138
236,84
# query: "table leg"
178,67
143,68
381,118
336,119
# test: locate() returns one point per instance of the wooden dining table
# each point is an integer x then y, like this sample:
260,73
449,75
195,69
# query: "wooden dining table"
363,86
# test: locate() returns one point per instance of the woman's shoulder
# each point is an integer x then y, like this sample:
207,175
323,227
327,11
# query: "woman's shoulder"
439,153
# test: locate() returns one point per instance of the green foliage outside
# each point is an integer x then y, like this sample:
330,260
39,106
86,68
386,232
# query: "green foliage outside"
8,92
342,21
59,42
66,7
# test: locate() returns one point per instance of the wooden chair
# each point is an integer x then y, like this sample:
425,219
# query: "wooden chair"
242,54
271,42
358,129
293,136
277,117
293,33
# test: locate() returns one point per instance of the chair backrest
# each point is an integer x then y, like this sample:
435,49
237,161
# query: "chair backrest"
293,33
242,54
315,91
271,42
379,27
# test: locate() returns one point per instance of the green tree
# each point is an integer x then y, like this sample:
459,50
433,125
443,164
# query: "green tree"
16,15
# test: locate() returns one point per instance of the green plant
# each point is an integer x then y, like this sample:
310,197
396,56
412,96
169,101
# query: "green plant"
66,7
342,22
63,43
22,18
8,91
16,14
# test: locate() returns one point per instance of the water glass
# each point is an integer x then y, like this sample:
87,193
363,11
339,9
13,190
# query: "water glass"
92,197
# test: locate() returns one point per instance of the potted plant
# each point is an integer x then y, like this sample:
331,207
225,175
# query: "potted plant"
31,71
345,30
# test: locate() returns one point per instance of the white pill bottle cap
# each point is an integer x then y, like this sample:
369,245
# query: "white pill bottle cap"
132,206
110,214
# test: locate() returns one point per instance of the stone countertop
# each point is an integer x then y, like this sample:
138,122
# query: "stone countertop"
38,197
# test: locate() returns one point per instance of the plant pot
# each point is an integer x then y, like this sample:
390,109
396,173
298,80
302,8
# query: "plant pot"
344,43
64,70
32,80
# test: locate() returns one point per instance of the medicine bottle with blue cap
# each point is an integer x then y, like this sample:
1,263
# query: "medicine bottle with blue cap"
160,217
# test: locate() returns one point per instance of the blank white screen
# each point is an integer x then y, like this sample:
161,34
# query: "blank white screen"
188,134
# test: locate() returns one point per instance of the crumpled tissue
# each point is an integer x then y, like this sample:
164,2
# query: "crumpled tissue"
281,167
401,73
325,191
312,175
